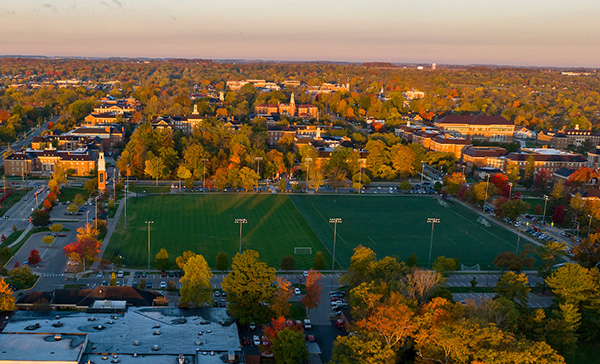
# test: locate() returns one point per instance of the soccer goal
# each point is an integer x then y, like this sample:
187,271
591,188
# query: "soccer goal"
483,221
443,203
302,250
475,267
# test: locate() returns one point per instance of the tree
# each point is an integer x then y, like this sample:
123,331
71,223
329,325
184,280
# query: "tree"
549,254
529,172
319,261
155,167
91,185
79,200
281,300
541,180
514,287
483,191
558,190
587,252
512,172
312,298
7,300
222,261
289,347
538,209
72,208
514,262
363,347
34,257
445,265
195,283
514,208
412,260
113,279
573,283
248,287
562,328
162,259
282,185
288,262
22,276
558,217
40,218
421,284
359,266
248,178
180,261
55,228
48,239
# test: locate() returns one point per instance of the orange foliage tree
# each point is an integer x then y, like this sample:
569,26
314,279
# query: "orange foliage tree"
313,290
281,300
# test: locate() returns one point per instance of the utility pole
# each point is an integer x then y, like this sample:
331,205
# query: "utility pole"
486,189
432,221
126,187
241,222
204,175
96,219
360,163
589,227
545,204
308,160
149,222
334,221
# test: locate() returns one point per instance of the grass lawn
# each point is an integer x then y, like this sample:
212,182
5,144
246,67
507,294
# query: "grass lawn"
397,226
205,225
69,193
16,196
150,189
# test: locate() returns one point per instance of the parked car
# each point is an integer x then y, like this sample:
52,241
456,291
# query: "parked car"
256,340
307,324
245,340
99,275
163,284
120,274
148,285
252,326
136,274
297,291
340,324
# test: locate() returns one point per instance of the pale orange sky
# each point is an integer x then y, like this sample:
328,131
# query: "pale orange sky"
530,32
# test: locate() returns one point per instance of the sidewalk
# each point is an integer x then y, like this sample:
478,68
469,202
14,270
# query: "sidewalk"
23,235
109,232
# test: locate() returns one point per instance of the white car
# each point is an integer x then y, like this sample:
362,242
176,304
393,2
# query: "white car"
120,274
305,273
163,284
297,291
307,324
256,340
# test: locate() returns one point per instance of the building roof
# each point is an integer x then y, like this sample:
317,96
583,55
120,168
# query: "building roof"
18,156
563,173
455,141
481,152
575,158
33,347
474,120
86,297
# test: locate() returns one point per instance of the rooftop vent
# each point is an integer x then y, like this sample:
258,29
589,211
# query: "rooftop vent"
155,348
135,355
157,332
136,343
57,337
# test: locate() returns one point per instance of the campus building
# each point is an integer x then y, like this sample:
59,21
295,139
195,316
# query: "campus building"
42,162
477,127
561,139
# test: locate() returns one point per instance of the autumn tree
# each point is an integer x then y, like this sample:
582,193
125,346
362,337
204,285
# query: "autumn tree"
445,265
573,283
7,300
195,283
359,266
55,228
514,287
587,252
34,257
514,208
550,253
281,299
515,262
421,284
314,287
319,261
248,287
155,167
180,261
113,279
162,259
289,347
48,239
363,347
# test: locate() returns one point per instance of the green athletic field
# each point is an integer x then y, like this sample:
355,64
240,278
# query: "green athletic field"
390,225
205,225
397,226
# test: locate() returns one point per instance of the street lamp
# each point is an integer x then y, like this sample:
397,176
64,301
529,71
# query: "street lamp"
334,221
96,220
510,190
241,222
308,160
257,159
589,227
422,171
149,222
432,221
360,161
486,189
545,204
87,217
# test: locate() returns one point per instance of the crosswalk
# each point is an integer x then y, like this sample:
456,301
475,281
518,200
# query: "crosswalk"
53,275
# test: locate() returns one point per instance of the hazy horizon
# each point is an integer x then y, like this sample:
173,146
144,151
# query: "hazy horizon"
470,32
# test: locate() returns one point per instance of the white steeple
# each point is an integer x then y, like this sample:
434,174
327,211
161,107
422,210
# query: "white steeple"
292,99
195,112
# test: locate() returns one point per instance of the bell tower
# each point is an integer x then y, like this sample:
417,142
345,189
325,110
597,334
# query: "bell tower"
101,173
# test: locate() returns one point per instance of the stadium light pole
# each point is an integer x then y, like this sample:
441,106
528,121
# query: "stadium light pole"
308,160
334,221
257,159
432,221
545,204
510,190
589,227
422,171
149,222
360,161
241,222
96,214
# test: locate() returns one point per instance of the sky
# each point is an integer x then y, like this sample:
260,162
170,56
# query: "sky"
502,32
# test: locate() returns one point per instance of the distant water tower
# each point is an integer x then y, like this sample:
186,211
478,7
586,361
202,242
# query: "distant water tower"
433,66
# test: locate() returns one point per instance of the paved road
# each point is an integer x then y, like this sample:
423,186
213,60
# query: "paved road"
485,279
534,301
18,214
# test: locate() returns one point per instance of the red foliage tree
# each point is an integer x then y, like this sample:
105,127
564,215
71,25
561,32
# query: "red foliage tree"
34,257
538,209
559,215
580,176
313,290
501,182
271,331
3,238
541,180
74,247
47,205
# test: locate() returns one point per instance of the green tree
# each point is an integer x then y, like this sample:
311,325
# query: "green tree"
40,218
249,288
514,208
412,260
529,172
359,266
72,208
91,185
22,277
445,265
195,283
512,171
549,254
562,328
282,185
222,261
514,287
573,283
155,168
162,259
7,300
288,262
289,347
319,261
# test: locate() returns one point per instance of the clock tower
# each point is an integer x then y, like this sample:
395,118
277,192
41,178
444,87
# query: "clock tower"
101,173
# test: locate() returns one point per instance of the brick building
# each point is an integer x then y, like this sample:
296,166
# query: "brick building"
480,127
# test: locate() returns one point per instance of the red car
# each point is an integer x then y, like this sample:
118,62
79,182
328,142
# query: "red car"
246,340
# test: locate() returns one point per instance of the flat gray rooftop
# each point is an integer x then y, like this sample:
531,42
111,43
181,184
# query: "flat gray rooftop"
40,346
154,359
204,329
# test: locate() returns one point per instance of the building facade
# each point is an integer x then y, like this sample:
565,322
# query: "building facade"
477,127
